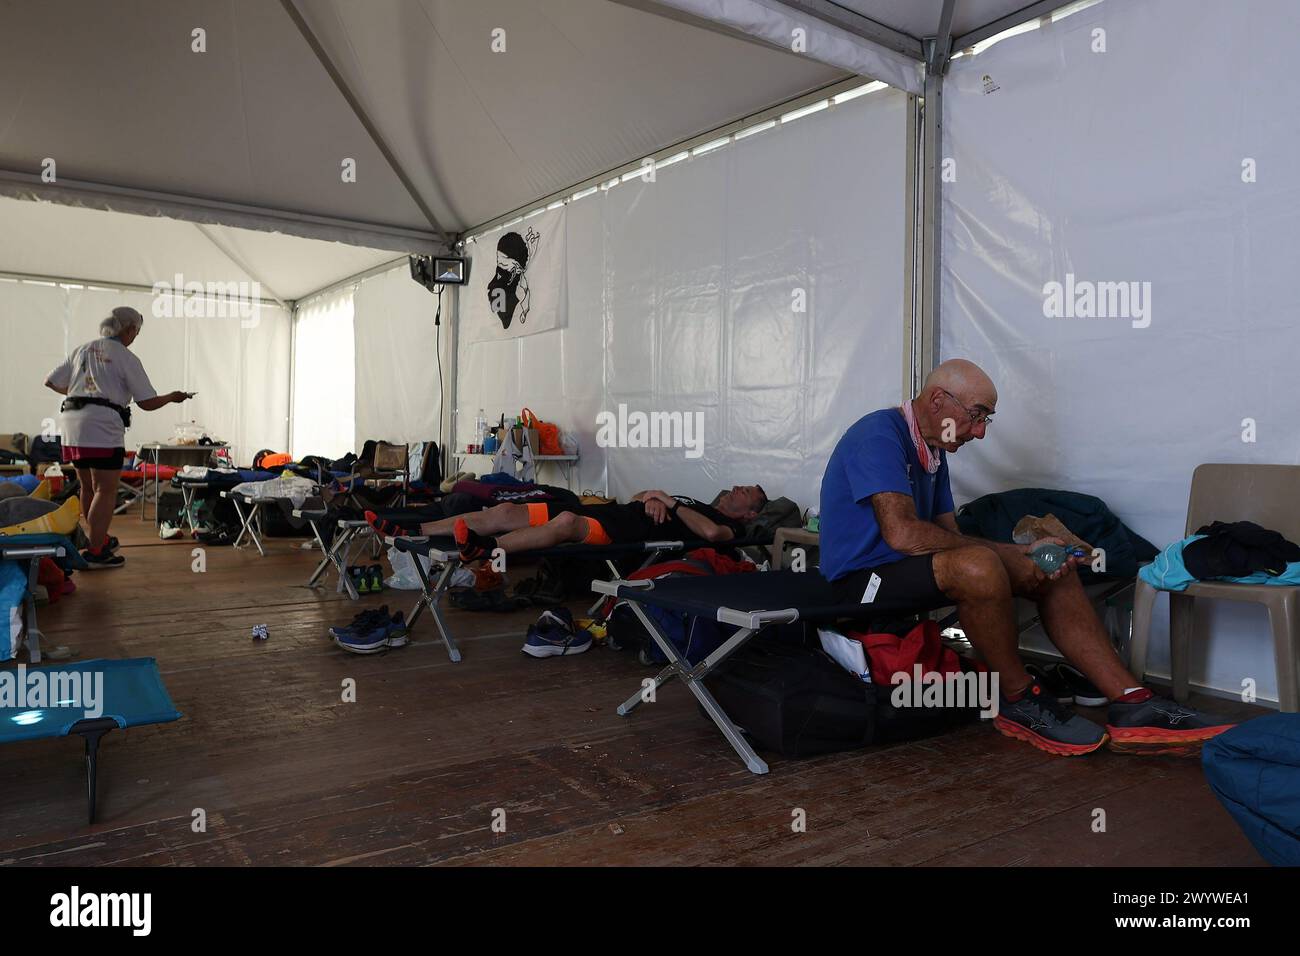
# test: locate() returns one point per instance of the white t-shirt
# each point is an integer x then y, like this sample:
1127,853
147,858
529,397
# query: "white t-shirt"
104,368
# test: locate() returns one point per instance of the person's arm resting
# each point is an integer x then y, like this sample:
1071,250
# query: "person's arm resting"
907,534
702,526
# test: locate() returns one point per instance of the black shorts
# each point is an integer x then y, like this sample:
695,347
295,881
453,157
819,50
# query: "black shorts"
624,524
901,586
111,462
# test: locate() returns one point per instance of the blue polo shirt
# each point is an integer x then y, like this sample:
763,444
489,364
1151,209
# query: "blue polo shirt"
876,454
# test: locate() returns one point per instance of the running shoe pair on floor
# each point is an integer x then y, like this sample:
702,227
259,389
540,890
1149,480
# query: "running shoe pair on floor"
367,578
1139,722
555,635
372,631
106,557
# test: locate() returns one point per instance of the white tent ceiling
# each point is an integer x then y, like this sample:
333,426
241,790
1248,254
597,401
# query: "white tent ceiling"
253,131
112,248
447,130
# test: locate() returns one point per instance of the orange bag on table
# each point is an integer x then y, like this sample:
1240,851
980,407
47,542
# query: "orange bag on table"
548,435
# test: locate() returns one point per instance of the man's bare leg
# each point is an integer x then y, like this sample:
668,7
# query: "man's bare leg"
86,493
975,578
562,529
494,520
1072,625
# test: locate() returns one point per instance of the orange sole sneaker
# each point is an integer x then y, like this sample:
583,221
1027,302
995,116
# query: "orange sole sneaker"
1155,740
1009,728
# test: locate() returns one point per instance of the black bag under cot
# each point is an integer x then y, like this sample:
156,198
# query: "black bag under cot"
795,700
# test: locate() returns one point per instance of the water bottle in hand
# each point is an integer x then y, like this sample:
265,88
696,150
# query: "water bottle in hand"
1050,558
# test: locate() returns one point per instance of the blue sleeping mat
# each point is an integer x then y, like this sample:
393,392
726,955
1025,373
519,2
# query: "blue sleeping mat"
1254,770
129,692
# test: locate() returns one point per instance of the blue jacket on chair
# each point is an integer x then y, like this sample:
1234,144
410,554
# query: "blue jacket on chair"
1254,770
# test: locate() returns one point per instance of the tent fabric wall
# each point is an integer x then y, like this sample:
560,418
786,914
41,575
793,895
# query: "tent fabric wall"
398,392
324,380
682,297
1128,166
215,357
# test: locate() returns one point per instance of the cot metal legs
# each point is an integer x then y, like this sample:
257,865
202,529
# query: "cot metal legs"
91,731
615,574
251,524
431,597
693,677
338,555
29,602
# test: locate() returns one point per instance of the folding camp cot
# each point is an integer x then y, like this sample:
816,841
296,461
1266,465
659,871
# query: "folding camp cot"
249,509
32,548
127,693
443,551
751,602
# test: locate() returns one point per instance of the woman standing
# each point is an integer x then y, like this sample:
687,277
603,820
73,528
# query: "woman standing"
101,379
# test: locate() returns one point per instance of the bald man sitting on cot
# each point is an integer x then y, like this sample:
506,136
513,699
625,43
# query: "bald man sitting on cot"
890,539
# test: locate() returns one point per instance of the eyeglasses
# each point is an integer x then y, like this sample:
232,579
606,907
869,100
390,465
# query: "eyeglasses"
976,417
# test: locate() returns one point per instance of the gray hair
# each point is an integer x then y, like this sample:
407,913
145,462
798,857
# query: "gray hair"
124,317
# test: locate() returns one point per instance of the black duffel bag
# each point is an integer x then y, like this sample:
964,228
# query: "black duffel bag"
794,700
797,701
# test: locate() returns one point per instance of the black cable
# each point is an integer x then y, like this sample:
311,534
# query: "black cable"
437,340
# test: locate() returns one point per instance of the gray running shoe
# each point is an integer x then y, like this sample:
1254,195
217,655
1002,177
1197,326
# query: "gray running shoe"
1040,719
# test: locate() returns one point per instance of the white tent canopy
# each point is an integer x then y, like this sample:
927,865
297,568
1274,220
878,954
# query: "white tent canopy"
91,246
254,131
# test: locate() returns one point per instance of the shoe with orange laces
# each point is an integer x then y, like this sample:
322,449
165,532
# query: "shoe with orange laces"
1038,718
473,546
1142,723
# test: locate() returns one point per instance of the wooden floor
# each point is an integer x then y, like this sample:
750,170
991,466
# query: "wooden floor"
413,772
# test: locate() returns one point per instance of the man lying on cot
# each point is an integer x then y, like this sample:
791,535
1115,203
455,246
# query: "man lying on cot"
649,516
889,538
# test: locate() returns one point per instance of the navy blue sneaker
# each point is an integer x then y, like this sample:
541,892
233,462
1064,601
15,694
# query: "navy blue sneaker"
554,635
373,634
365,620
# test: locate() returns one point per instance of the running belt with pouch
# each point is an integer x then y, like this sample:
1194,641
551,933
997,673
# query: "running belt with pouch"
443,551
77,402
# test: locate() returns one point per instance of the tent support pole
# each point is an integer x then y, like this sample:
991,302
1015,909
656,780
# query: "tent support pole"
355,105
932,171
237,260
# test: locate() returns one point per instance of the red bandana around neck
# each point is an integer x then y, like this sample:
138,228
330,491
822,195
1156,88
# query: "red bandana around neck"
929,457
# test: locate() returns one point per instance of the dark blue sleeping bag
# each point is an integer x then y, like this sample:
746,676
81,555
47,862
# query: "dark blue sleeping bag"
1254,770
